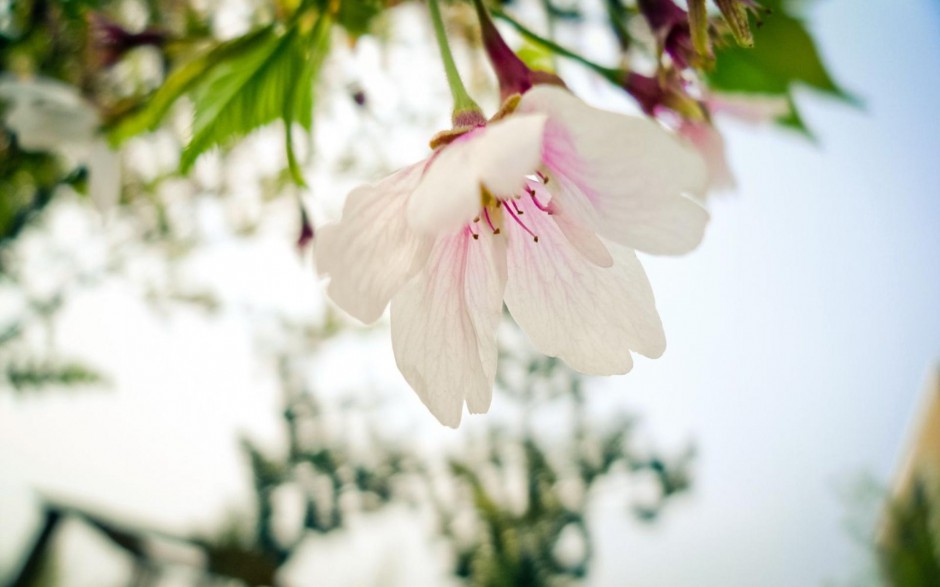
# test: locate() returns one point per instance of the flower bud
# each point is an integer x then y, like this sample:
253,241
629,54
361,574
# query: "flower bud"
698,28
655,96
110,41
645,90
681,35
735,13
662,14
515,77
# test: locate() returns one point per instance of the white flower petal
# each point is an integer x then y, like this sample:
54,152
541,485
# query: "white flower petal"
448,195
46,114
104,175
706,139
372,252
575,222
497,157
444,325
509,151
632,172
752,108
591,317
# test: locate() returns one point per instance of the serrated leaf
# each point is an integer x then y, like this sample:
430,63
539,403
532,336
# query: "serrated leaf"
180,82
299,105
274,80
243,94
784,54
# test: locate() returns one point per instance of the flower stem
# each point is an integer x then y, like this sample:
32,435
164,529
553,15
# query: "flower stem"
614,75
464,106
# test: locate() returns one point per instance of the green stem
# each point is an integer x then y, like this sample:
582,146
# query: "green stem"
463,103
614,75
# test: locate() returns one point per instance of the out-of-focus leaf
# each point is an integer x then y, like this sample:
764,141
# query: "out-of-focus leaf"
908,552
784,54
182,81
536,56
793,120
273,80
299,104
242,94
27,183
23,377
356,15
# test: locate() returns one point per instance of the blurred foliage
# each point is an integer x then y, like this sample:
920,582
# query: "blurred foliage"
525,496
909,549
784,57
27,182
33,376
545,541
22,371
784,54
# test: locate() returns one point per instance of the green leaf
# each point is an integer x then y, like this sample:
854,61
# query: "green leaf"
273,80
536,56
241,94
356,15
784,55
35,376
299,104
793,120
181,81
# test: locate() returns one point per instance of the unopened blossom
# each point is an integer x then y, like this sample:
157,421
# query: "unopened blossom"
656,95
110,41
542,211
670,26
736,14
50,116
515,77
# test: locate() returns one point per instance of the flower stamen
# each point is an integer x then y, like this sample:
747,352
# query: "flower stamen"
519,221
489,221
535,201
473,234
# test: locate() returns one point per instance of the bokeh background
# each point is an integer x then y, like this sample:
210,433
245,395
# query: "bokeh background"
802,334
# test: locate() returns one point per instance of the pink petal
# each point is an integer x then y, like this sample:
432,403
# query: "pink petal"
751,108
444,325
497,157
711,145
372,252
634,174
574,220
589,316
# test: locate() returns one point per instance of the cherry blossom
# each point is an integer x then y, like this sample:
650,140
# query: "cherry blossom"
48,115
542,211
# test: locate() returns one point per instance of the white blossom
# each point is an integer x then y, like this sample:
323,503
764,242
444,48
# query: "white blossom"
541,211
50,116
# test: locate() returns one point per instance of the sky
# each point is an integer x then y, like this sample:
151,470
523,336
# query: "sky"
800,335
